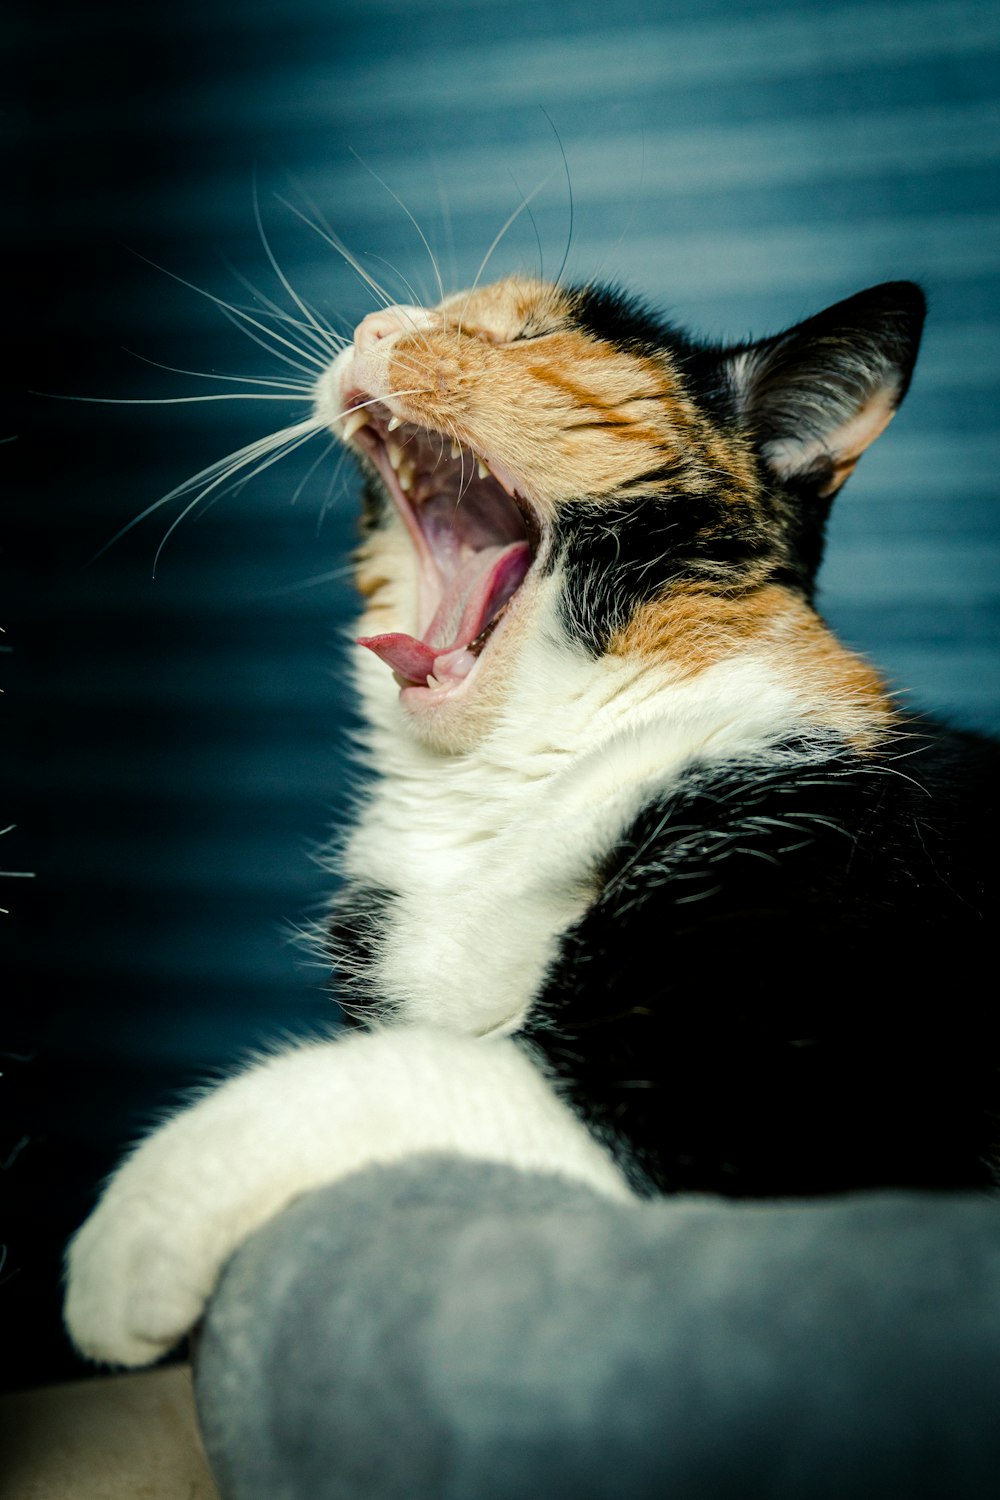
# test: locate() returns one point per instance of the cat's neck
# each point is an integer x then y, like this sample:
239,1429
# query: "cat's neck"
492,854
653,706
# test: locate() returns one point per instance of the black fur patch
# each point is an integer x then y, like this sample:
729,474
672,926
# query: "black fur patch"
619,555
358,918
618,318
779,990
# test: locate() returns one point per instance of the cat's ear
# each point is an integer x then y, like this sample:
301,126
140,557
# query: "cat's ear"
814,398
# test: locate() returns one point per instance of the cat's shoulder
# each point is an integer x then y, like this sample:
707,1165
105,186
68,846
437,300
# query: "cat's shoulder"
810,856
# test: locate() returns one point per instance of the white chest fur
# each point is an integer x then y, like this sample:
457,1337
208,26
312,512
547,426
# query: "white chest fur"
493,854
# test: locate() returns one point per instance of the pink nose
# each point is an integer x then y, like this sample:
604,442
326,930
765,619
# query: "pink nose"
382,325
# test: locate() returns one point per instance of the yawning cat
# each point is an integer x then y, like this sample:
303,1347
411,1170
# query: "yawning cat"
655,885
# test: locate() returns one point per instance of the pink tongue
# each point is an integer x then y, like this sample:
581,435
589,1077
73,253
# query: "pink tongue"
479,589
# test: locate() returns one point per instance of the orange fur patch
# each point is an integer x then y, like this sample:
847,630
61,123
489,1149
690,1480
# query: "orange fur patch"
482,376
693,629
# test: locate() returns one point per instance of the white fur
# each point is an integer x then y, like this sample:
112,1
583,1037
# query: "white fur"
145,1263
493,853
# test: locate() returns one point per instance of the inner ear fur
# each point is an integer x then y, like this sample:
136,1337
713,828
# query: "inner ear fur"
816,396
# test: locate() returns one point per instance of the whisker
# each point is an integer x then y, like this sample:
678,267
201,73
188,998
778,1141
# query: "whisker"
228,465
285,384
239,312
414,294
283,449
303,306
335,575
396,199
569,190
333,443
522,206
449,231
538,238
331,239
328,497
296,395
319,225
321,341
236,312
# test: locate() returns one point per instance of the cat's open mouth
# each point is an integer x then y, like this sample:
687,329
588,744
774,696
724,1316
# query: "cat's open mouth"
475,539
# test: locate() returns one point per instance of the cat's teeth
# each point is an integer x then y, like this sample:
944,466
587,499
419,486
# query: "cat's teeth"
456,451
354,423
406,473
394,422
432,681
395,455
483,468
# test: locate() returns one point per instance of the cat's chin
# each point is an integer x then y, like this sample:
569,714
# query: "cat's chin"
454,716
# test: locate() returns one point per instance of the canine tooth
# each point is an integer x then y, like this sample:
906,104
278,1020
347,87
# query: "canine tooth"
354,423
394,422
395,454
483,468
456,451
406,473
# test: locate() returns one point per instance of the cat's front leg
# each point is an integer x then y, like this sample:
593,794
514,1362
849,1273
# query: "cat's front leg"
143,1266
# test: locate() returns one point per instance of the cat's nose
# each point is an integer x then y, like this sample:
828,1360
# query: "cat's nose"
390,321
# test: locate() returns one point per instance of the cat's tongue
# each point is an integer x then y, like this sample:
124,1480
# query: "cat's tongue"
470,600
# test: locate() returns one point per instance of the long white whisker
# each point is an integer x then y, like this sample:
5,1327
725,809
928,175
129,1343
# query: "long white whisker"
237,312
331,343
234,318
334,576
514,216
449,232
283,450
230,464
236,460
342,250
396,199
323,341
285,384
297,395
538,238
569,190
414,294
319,225
312,469
303,306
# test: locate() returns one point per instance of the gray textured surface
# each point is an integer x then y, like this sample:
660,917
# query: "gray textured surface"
446,1331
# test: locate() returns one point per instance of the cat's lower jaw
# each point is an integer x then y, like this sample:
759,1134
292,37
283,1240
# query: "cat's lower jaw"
143,1267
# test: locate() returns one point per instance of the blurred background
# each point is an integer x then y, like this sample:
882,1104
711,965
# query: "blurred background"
176,747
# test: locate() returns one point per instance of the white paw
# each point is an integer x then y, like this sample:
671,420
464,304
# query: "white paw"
138,1277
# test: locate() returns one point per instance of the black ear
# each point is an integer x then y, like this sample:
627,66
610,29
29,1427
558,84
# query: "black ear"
816,396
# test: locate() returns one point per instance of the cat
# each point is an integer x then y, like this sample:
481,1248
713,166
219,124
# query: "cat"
655,886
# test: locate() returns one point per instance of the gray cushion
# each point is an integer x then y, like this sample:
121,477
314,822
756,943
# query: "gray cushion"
447,1331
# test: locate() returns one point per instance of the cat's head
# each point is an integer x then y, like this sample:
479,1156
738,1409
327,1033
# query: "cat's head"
563,461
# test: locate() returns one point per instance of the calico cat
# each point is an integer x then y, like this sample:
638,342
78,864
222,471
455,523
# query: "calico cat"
655,885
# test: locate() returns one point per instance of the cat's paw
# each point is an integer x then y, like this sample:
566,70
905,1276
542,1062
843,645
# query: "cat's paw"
137,1279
